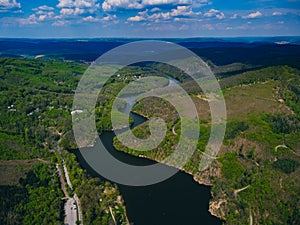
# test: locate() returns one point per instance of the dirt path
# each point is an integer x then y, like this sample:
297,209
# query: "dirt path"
239,190
43,161
251,219
209,156
67,176
112,215
173,130
280,146
62,181
276,148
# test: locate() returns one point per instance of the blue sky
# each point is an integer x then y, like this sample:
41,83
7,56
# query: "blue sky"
149,18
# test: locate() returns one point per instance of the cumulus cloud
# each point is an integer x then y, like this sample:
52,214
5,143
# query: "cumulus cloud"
220,16
110,18
112,5
70,12
32,19
43,8
6,5
179,11
136,18
107,18
66,3
91,19
44,12
215,13
66,11
165,2
253,15
77,7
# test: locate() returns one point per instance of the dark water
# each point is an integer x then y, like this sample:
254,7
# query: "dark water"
178,200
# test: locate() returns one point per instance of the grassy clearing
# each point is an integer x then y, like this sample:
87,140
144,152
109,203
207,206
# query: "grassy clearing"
11,171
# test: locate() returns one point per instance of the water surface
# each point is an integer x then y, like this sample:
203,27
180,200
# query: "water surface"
178,200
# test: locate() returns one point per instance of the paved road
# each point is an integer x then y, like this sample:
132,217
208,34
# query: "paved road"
71,214
78,207
74,199
70,207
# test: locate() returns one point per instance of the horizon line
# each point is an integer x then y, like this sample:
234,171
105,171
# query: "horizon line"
192,37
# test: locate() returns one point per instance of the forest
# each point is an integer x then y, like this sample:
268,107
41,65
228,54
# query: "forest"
258,164
260,152
36,99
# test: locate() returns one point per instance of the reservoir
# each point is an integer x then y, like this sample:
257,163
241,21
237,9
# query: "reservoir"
178,200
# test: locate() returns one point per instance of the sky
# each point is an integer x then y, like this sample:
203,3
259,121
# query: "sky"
148,18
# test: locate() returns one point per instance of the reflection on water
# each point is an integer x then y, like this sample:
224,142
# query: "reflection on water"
176,201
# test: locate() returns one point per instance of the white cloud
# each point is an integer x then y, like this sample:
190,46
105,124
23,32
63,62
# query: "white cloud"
112,5
65,3
215,13
220,16
136,18
253,15
156,9
165,2
43,8
59,23
276,13
91,19
179,11
66,11
32,19
200,3
6,5
109,18
234,16
77,7
42,17
44,12
211,13
183,11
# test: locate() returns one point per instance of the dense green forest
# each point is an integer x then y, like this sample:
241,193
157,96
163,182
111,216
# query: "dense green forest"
36,199
256,173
